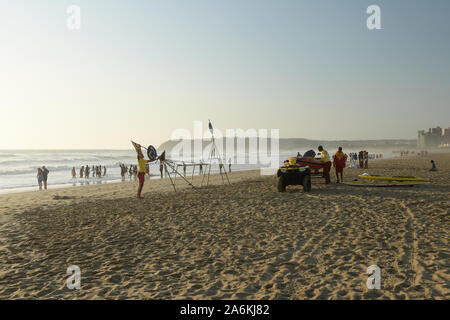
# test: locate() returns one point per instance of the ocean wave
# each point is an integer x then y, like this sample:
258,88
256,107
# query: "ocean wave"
74,161
68,168
16,171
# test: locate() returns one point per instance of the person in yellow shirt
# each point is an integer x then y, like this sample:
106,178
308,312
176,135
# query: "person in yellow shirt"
325,159
142,164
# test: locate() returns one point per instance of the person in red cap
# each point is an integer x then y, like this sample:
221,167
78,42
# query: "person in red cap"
339,161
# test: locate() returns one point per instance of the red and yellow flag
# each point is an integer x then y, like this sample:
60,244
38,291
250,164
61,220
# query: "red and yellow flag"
138,148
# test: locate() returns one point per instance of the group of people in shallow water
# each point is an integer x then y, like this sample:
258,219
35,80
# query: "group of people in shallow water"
132,171
86,172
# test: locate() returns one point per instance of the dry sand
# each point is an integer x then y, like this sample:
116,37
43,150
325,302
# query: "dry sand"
243,241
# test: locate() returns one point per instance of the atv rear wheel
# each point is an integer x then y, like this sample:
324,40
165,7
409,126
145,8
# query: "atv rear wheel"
306,183
281,186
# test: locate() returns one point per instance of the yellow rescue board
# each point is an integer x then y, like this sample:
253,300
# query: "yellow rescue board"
383,183
393,178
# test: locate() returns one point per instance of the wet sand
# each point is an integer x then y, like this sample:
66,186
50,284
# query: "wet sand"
244,241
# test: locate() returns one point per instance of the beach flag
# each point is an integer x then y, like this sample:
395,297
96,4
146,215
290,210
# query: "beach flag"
211,127
137,147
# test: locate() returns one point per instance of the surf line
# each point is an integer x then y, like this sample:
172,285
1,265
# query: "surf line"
192,310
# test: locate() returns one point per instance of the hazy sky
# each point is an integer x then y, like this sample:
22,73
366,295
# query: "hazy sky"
140,69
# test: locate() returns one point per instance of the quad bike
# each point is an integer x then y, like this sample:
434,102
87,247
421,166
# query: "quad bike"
293,173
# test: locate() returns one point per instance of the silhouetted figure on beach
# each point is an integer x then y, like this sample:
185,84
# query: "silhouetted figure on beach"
123,170
45,173
40,177
74,173
161,169
366,159
82,172
360,158
339,162
433,166
325,159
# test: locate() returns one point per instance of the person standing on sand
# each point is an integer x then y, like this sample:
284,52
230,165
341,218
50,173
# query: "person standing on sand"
74,173
229,165
360,158
161,168
325,159
366,159
40,177
45,173
82,172
142,167
122,171
433,166
201,168
339,162
104,170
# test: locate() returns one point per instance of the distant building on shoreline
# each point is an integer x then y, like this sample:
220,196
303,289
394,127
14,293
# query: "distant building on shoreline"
434,138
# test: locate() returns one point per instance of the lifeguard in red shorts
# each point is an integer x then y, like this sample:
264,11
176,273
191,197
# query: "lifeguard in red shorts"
325,159
142,164
339,162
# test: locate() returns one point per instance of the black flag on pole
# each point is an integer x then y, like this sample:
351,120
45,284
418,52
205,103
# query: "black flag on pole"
211,127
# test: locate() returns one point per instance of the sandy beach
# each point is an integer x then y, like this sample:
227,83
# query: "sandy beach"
243,241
